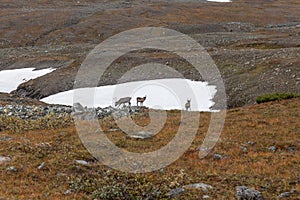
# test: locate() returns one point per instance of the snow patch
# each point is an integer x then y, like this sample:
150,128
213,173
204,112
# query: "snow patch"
11,79
163,94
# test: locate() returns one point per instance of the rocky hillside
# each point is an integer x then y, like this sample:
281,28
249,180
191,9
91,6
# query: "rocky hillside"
255,44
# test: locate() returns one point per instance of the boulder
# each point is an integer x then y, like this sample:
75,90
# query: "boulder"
176,192
245,193
202,186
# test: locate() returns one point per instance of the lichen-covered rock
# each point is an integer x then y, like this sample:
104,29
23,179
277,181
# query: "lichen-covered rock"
176,192
245,193
287,194
203,186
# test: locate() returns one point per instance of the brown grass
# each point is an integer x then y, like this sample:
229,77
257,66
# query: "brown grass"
271,124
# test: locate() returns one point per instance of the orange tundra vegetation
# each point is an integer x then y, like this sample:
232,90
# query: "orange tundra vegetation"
43,162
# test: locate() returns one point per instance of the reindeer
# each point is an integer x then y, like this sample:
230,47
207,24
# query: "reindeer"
188,105
141,100
123,101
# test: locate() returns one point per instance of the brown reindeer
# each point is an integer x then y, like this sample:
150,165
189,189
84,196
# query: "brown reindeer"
141,100
188,105
123,101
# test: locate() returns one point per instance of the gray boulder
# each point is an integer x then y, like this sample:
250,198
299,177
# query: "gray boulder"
286,194
245,193
272,148
176,192
203,186
77,107
219,156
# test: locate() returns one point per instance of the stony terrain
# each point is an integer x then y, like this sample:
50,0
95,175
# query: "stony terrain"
255,44
256,156
36,111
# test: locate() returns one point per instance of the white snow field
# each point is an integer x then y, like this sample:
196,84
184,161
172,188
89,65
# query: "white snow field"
11,79
163,94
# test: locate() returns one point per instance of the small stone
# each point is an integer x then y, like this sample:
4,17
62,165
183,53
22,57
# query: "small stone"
176,192
12,169
113,130
284,195
44,145
205,197
77,107
82,162
293,191
62,133
4,159
142,135
244,149
272,148
250,143
291,149
67,192
245,193
5,138
202,186
218,156
41,165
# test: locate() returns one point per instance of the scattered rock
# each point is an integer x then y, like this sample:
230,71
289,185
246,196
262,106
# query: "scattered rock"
67,192
44,145
4,159
205,197
62,133
244,149
142,135
113,130
287,194
82,162
218,156
41,165
77,107
12,169
5,138
272,148
202,186
245,193
251,142
291,149
176,192
284,195
293,191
